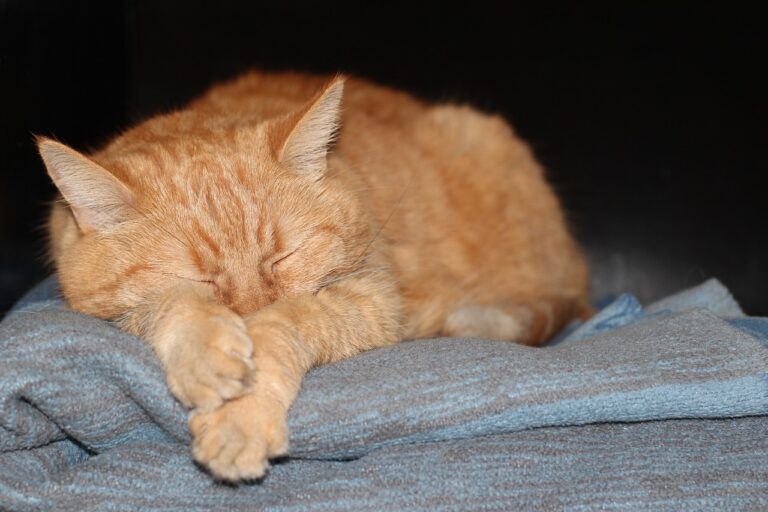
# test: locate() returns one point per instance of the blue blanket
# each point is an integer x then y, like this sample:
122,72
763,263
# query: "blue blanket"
661,407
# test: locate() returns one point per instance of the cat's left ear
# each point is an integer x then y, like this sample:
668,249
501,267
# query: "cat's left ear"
98,200
302,139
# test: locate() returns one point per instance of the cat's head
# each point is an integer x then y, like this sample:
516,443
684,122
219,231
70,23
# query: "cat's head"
247,212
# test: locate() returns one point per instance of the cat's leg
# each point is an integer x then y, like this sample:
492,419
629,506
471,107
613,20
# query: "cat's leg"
529,323
290,336
204,346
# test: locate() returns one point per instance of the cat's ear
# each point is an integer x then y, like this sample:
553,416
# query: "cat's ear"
97,199
302,139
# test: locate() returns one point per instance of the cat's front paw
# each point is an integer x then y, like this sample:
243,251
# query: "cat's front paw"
236,441
209,358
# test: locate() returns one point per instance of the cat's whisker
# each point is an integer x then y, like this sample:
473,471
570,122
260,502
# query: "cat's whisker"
356,273
375,189
384,224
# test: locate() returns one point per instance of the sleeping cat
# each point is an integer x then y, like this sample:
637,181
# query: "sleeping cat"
284,221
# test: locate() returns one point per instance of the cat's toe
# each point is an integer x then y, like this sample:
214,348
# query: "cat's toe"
231,337
208,442
192,394
251,463
204,387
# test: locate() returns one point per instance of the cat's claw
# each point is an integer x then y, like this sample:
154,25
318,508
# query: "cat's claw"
236,441
210,361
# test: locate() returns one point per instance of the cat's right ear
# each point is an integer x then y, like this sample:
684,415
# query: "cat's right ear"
302,139
98,200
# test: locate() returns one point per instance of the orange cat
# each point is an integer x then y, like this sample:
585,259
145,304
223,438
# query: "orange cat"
284,221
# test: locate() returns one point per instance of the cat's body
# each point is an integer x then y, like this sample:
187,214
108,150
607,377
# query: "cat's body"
227,236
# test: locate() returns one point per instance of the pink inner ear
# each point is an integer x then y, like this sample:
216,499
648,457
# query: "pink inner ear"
310,131
97,198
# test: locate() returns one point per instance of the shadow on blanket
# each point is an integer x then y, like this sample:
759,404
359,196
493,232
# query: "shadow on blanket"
636,408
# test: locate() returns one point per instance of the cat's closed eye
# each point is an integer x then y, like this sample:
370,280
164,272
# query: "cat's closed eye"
304,267
209,282
212,284
282,260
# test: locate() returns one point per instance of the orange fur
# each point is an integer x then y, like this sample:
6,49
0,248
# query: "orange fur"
247,246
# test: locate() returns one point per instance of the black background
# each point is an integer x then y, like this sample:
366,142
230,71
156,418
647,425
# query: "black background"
651,118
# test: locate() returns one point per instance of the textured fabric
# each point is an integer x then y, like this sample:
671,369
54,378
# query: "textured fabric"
86,422
710,295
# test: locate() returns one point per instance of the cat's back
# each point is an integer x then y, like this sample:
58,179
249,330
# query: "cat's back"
260,96
388,136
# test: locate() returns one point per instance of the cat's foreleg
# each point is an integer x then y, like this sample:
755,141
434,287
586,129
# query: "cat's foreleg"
203,346
290,336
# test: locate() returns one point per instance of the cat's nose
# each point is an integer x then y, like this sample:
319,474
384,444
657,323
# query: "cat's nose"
245,308
249,302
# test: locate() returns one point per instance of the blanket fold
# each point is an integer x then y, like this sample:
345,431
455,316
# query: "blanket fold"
685,365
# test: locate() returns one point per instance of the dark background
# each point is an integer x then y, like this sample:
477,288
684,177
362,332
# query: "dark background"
651,119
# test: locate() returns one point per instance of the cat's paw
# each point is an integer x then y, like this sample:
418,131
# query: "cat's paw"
209,360
236,441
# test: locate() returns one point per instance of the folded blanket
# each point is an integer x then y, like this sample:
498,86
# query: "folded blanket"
86,421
